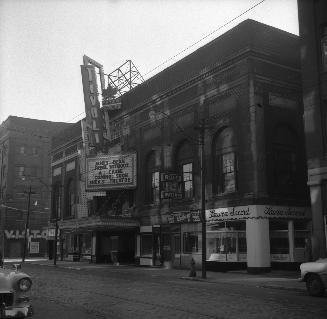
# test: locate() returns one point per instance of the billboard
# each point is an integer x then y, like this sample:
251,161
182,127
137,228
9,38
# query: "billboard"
111,172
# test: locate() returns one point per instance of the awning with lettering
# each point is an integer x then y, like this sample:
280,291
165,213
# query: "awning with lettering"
221,214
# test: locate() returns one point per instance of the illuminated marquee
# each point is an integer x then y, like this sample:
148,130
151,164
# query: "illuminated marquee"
111,172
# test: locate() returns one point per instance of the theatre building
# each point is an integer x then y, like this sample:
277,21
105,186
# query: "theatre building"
245,86
241,95
94,224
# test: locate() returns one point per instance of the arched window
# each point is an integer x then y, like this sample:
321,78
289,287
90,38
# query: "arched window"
184,161
225,162
284,159
152,179
70,198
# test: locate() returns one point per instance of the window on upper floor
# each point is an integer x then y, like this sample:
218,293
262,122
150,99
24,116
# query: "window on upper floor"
184,161
20,171
224,162
22,149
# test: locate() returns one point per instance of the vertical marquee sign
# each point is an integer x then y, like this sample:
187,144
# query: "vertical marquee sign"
94,120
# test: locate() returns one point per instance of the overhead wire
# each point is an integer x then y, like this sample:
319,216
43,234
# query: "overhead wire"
168,60
204,37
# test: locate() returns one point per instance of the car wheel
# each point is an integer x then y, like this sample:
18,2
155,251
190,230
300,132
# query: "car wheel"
315,286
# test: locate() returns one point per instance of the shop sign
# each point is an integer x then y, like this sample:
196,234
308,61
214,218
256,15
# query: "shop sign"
111,172
126,213
221,214
113,104
17,234
170,195
34,247
193,216
170,186
52,233
170,177
256,211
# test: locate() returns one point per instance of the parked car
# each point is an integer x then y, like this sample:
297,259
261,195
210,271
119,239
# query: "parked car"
15,289
314,274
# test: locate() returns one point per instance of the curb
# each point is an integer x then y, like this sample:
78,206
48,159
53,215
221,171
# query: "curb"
283,288
278,287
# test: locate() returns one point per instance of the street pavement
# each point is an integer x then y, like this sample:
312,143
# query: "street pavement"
276,279
98,291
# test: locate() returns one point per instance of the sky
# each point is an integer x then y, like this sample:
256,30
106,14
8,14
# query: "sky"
42,43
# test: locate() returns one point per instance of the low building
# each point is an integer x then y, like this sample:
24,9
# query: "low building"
25,178
242,91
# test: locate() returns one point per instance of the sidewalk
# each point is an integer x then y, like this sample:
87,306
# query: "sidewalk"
276,279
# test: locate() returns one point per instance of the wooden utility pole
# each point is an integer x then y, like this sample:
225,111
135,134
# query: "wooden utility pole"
203,200
56,228
27,222
202,127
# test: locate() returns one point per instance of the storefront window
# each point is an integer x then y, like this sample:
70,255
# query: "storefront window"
190,243
242,243
177,243
146,244
68,244
85,244
279,242
227,242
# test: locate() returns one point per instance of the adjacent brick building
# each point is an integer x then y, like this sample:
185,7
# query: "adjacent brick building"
24,166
